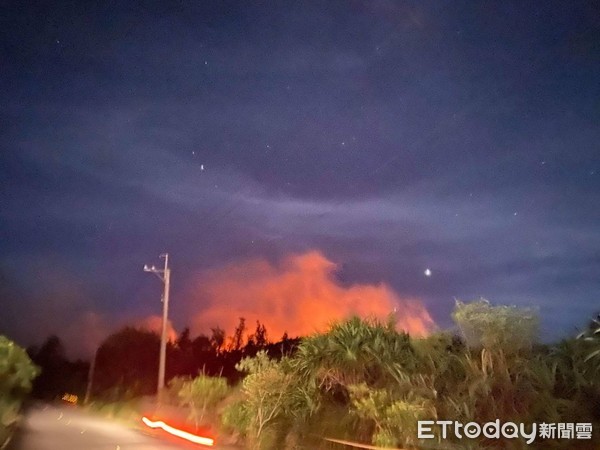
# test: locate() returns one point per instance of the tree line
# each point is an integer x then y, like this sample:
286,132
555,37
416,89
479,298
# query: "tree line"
126,362
364,381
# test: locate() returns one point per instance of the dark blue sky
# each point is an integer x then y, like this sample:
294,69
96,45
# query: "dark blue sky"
389,136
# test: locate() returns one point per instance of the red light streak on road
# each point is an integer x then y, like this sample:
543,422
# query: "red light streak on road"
179,433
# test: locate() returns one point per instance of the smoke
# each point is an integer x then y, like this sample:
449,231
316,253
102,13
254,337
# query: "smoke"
299,296
60,304
154,323
83,336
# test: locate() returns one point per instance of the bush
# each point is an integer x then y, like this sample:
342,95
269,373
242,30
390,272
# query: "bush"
236,418
16,375
201,395
364,381
269,397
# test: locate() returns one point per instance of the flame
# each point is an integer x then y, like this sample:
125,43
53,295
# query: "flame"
300,296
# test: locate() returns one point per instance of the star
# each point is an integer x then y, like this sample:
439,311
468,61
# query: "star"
427,272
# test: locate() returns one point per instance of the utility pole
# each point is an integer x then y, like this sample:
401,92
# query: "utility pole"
90,380
163,275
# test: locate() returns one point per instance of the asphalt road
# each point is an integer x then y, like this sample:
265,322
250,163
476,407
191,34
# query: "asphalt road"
47,427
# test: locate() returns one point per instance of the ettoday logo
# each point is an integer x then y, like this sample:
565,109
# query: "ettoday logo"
508,430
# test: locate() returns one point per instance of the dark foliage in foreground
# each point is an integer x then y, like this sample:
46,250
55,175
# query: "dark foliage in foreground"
363,380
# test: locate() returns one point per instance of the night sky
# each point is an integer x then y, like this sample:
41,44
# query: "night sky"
297,160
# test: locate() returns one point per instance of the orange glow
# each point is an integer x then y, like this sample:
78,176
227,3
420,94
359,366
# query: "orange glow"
154,323
300,296
179,433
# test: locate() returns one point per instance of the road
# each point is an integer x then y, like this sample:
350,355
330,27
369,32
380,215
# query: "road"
48,427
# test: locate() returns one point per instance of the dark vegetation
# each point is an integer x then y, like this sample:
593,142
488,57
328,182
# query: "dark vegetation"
127,361
16,373
362,380
58,375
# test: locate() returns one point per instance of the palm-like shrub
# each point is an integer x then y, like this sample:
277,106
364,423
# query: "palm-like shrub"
364,381
393,414
503,374
502,328
369,368
592,337
576,387
352,352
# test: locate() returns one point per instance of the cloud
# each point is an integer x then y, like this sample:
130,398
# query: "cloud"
300,296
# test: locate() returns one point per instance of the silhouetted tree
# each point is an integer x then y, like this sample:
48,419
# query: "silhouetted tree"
183,341
180,356
260,335
50,357
127,364
217,338
237,340
202,344
256,341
